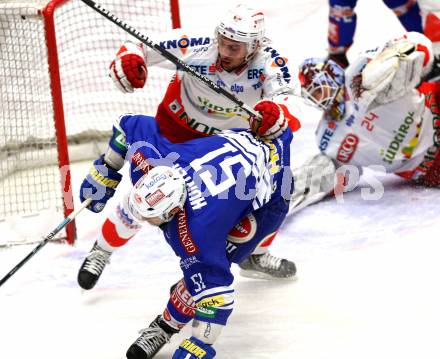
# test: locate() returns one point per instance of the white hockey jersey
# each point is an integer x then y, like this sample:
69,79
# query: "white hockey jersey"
401,136
196,109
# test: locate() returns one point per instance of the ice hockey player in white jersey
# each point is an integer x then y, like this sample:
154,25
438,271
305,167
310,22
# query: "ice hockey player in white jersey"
237,57
383,111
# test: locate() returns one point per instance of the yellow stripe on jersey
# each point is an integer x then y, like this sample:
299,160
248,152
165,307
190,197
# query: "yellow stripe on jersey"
101,179
193,348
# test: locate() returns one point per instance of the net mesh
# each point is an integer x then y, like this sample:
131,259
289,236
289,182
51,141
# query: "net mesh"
86,45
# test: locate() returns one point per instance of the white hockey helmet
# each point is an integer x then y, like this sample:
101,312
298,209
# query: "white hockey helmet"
243,24
159,193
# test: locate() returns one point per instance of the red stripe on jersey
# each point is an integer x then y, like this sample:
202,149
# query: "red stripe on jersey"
111,236
432,27
172,118
267,241
294,123
424,49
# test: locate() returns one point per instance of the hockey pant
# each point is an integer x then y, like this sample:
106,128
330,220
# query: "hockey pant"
258,227
342,21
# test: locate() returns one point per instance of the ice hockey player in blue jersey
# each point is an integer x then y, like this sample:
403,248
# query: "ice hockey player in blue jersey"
196,192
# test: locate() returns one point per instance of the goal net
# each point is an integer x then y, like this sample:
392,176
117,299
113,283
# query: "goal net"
57,101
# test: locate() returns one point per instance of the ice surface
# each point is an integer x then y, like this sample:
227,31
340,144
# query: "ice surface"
367,270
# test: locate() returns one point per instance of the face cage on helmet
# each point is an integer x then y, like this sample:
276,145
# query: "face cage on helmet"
320,83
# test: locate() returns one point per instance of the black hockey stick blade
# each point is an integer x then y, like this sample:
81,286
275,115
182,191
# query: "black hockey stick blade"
50,236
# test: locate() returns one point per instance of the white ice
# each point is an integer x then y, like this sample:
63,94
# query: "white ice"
368,271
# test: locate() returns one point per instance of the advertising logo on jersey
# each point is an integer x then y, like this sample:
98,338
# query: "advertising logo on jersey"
214,301
188,262
350,120
195,196
141,162
209,107
237,88
327,135
244,231
347,148
184,42
185,237
400,134
182,300
280,62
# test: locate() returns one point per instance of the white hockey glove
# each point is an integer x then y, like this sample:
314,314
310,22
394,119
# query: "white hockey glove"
273,122
313,181
129,70
394,72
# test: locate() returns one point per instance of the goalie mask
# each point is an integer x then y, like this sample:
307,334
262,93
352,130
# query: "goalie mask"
159,193
243,24
322,82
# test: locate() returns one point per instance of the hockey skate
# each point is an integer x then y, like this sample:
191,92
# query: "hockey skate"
267,266
152,340
92,267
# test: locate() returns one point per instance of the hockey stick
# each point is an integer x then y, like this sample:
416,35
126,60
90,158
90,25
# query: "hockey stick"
52,234
169,56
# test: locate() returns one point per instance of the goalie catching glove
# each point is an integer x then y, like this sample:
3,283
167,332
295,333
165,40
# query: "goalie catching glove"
129,70
398,69
272,122
194,348
99,185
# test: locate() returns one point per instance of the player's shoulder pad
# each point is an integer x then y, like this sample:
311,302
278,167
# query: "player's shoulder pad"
274,61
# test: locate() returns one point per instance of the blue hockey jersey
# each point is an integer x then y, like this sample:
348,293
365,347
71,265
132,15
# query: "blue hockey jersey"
228,176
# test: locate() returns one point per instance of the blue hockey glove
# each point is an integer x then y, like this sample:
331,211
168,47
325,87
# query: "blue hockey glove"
195,348
99,185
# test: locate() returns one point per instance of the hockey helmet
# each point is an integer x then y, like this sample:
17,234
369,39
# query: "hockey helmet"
321,81
159,193
243,24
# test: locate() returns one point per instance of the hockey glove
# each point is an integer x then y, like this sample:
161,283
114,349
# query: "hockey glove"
194,348
99,185
129,70
272,123
394,72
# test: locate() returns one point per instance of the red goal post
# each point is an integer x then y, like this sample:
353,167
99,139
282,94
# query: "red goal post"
57,102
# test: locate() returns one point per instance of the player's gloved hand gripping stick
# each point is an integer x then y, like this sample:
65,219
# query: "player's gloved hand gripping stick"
175,60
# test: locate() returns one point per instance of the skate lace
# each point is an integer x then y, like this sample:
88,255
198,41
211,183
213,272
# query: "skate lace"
96,261
269,261
151,339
